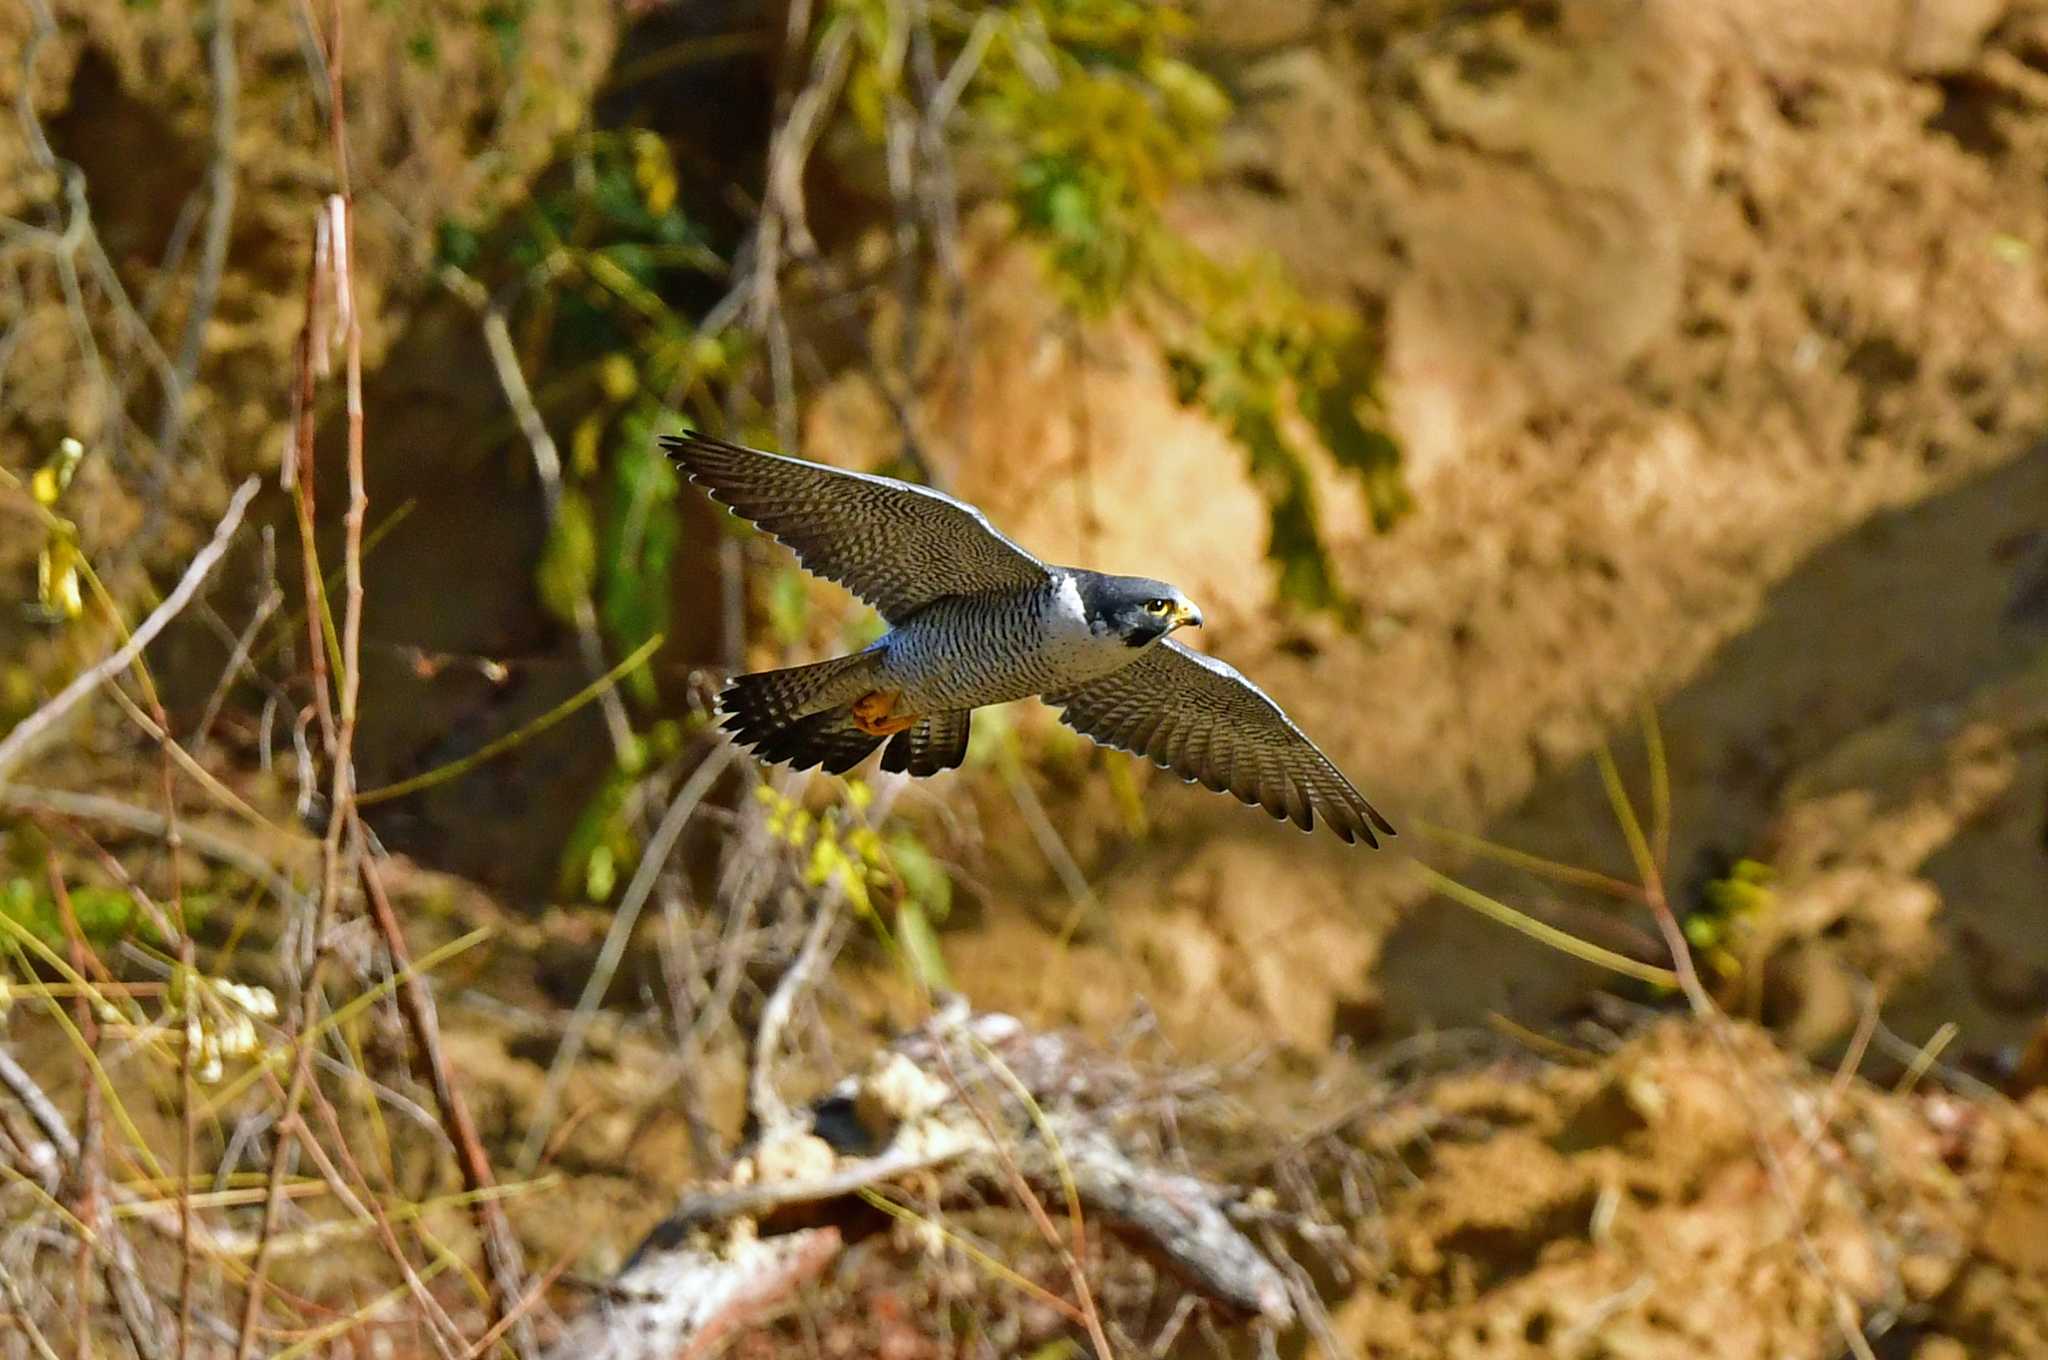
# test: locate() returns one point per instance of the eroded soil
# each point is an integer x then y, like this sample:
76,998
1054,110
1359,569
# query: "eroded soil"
1715,334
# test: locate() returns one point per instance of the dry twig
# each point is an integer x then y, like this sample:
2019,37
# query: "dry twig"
659,846
38,726
220,221
732,1249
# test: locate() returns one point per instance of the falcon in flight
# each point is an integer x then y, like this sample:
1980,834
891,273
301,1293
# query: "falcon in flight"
973,620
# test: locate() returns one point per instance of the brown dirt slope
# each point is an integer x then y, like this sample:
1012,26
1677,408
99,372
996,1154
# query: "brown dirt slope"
1623,1209
1673,295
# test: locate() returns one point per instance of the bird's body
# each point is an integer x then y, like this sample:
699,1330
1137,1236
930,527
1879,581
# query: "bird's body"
975,620
946,656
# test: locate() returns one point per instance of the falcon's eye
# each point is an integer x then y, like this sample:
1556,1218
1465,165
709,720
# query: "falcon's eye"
1158,606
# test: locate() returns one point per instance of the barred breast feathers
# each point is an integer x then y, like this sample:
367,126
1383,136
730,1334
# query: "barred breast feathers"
968,651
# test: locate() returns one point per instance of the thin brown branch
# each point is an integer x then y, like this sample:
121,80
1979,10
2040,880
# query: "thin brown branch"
1020,1190
297,476
117,1255
535,1292
240,656
416,1004
447,1337
333,226
156,730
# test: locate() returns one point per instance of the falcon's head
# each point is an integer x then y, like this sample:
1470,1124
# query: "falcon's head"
1137,609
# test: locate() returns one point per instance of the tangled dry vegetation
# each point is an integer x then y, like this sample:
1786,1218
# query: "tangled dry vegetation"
270,1086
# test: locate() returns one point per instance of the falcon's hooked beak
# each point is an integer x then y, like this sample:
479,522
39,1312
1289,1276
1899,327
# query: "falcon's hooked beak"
1186,615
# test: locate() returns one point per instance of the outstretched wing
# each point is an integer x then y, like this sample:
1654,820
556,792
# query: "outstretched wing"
1204,721
897,546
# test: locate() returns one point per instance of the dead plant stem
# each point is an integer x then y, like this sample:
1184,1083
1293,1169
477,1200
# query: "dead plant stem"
220,219
39,725
416,1004
673,822
1077,1275
1710,1015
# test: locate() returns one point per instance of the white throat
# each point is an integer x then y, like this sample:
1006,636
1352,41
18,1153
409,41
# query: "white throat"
1068,613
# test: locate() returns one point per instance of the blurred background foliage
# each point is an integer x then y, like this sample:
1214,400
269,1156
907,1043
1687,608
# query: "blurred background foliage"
643,303
1080,116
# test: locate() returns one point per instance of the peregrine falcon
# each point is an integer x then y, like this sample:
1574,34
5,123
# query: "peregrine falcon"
974,620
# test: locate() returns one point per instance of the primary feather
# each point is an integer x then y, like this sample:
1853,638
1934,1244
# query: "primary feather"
897,546
1200,718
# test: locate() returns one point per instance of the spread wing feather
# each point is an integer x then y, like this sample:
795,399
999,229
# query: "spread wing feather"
1200,718
897,546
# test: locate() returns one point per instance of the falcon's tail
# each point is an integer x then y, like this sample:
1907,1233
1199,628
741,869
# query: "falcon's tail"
795,716
831,739
938,742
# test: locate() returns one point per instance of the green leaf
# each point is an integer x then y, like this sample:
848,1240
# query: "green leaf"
927,962
925,880
600,874
1060,1348
1367,451
104,914
568,563
600,841
642,532
1294,540
457,244
789,606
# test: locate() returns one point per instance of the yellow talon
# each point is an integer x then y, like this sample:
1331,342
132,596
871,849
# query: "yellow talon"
875,714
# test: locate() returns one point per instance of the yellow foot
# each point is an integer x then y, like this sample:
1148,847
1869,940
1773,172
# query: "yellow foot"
875,714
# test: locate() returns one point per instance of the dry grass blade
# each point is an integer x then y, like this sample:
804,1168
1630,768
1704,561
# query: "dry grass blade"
685,805
416,1003
535,1292
455,769
340,1327
1927,1056
185,761
903,1213
1562,941
1077,1275
1660,786
294,619
1847,1322
89,998
1556,871
1069,1190
1631,826
340,1015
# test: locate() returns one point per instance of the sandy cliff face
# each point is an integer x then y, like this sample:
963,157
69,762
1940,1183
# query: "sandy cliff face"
1673,294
